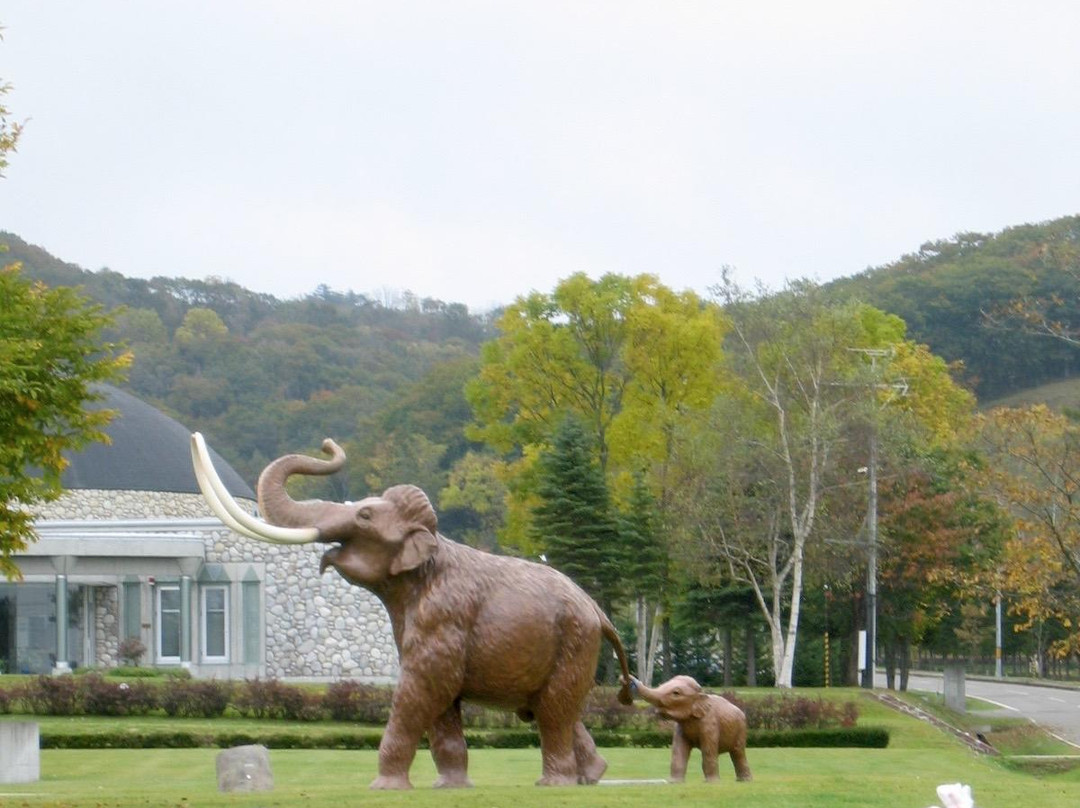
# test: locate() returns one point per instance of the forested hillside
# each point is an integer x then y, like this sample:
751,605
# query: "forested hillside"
945,290
262,376
707,447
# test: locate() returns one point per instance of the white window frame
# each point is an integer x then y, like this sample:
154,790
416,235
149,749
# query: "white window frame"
204,616
161,657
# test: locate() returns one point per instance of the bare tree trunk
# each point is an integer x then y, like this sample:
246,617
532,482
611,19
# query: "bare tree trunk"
650,664
751,655
728,654
788,668
669,663
890,665
641,623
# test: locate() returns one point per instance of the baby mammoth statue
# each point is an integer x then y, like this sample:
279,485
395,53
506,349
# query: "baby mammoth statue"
468,625
702,721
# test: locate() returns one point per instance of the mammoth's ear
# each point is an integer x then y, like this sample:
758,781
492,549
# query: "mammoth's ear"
701,706
420,544
421,525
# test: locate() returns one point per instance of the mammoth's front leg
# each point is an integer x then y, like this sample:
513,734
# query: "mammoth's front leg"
448,749
417,704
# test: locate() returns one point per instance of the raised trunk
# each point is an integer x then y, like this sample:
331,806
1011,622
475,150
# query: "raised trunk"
649,694
279,508
234,517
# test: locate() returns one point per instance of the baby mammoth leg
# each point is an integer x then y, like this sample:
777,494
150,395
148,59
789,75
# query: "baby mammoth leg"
710,766
742,768
680,754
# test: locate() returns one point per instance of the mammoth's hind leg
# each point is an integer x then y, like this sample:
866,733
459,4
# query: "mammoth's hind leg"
568,752
448,749
557,751
590,765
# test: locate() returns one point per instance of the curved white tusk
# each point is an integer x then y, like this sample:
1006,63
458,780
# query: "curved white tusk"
230,513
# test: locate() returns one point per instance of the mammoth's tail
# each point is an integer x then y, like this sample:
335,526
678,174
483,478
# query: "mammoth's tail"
608,630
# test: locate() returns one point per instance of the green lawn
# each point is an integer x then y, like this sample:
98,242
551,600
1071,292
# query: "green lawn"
903,776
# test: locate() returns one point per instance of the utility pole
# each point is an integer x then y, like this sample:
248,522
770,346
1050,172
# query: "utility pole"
871,563
872,514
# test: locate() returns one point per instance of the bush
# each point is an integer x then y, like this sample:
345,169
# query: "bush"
133,672
270,698
604,711
51,695
864,737
346,700
175,673
125,740
871,737
5,701
196,698
798,712
131,651
101,697
476,716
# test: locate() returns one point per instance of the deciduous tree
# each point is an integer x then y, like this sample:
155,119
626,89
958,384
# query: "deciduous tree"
1033,470
51,354
627,356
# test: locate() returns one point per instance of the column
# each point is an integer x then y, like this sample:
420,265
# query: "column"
61,625
185,621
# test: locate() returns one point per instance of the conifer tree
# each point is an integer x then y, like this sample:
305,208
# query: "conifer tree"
574,521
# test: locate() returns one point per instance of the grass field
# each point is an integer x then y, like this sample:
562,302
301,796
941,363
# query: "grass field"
904,775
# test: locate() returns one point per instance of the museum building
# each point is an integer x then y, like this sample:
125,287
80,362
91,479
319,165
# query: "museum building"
131,549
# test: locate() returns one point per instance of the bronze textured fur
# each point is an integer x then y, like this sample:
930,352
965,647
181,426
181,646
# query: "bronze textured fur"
469,625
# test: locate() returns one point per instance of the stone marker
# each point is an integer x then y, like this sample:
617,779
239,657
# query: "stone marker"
20,752
244,768
954,687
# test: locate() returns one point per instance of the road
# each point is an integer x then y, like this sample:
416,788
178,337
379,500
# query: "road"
1056,709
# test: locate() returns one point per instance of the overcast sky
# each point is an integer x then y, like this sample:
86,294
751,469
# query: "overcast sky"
474,151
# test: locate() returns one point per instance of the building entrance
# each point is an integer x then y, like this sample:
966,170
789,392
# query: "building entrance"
28,636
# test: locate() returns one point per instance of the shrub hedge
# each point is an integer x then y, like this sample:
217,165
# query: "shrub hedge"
355,702
865,737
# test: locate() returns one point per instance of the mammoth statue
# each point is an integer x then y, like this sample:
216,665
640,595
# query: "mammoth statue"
702,721
468,625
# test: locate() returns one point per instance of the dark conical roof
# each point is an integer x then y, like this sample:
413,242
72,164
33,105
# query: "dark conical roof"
149,452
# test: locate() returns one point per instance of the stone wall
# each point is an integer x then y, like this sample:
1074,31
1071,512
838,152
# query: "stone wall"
315,626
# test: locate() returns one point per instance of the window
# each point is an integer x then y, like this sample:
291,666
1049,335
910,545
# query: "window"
168,623
215,624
